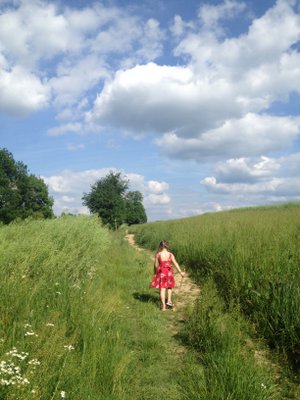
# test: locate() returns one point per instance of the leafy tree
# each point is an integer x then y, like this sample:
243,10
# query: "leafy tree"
108,198
135,211
21,195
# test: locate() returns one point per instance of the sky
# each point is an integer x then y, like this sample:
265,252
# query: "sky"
196,103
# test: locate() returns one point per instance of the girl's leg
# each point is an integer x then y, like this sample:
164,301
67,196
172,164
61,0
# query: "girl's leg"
170,296
163,298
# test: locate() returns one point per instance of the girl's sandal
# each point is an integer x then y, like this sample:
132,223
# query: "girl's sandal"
170,305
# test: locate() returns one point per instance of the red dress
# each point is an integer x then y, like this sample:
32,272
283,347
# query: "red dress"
164,277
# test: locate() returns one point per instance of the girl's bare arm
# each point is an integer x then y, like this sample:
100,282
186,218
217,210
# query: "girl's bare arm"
177,266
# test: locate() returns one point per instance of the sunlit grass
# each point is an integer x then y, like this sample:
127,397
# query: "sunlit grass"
253,257
77,319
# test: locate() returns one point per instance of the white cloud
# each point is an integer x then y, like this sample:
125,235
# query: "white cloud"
213,106
177,28
249,136
153,98
157,187
21,92
158,198
270,179
289,187
211,15
71,49
267,39
246,170
74,79
151,41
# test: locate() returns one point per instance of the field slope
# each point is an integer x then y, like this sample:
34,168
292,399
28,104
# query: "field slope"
250,260
78,320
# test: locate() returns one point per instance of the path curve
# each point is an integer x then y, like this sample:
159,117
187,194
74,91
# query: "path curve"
186,291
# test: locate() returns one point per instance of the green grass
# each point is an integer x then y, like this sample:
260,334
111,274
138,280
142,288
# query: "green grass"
77,317
231,370
253,257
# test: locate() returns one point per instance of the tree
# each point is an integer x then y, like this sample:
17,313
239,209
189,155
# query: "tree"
135,211
108,198
21,195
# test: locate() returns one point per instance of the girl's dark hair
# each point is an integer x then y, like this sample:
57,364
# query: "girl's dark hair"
163,245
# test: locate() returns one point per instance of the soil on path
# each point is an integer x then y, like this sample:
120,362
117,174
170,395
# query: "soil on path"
185,294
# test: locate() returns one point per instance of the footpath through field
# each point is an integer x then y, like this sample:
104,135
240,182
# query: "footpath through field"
185,294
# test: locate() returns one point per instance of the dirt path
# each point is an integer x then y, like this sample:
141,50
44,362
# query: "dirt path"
185,293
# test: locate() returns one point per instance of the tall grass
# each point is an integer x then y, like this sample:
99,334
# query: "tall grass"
253,255
77,319
47,270
231,370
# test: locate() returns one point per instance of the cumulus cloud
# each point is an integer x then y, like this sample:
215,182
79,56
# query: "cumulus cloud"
21,92
265,178
288,187
68,51
158,187
246,170
154,198
218,104
153,98
251,135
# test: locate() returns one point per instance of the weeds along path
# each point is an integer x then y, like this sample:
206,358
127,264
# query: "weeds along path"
185,294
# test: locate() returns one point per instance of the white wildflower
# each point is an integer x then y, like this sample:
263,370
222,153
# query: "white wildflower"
14,353
31,333
50,324
34,361
63,394
10,373
69,347
263,386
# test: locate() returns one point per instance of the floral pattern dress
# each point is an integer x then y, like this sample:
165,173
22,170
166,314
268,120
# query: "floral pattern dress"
164,277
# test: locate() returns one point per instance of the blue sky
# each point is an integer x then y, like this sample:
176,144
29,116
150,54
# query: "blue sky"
195,102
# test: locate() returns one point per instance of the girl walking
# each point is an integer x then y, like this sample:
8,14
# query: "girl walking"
164,275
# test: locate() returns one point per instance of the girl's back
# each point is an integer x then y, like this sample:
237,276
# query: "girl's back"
164,255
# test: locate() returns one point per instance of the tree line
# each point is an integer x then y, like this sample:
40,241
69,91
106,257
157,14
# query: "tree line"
24,195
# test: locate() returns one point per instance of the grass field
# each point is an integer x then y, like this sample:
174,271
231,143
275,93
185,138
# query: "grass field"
78,321
253,258
75,317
